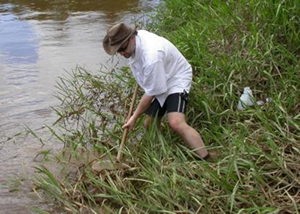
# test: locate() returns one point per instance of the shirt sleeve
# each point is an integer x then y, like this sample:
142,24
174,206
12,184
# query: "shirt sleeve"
155,79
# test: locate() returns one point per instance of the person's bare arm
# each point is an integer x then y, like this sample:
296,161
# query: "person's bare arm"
142,107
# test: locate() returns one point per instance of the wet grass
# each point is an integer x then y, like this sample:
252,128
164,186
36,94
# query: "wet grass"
230,45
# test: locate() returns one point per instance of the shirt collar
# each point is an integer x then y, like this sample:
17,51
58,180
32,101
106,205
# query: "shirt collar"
134,57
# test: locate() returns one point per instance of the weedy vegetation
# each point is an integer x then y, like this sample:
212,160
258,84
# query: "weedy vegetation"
231,45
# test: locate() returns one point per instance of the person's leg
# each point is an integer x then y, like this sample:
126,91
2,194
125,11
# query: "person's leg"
149,119
189,134
154,113
176,107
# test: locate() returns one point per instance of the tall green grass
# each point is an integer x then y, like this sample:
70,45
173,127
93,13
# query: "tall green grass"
231,45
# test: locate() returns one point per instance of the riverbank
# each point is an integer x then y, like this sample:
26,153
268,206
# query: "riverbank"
230,46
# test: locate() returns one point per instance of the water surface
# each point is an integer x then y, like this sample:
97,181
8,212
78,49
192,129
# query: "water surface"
39,41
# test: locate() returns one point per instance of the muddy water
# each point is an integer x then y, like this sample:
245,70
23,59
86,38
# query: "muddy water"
40,41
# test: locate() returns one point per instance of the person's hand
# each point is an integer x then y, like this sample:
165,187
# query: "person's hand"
130,123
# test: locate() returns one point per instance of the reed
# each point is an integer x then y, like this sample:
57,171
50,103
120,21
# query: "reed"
230,45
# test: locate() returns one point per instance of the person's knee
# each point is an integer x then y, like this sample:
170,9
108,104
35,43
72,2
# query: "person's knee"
150,120
147,122
176,125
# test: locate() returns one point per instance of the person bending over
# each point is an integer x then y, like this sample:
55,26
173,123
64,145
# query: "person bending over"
164,75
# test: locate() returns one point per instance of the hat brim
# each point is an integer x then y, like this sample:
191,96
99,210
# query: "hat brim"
112,49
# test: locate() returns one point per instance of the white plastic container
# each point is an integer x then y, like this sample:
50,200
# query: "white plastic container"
246,99
260,102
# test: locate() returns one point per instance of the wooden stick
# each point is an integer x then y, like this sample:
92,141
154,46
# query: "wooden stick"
125,133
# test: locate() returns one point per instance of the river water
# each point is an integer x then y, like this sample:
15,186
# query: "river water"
39,41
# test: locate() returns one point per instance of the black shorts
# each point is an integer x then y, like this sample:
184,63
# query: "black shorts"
176,102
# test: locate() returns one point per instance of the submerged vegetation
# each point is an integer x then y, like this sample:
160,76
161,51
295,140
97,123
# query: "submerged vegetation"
231,45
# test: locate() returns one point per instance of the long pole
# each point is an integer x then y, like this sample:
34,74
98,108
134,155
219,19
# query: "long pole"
125,133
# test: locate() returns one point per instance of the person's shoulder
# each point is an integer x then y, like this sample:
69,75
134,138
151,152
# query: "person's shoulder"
143,33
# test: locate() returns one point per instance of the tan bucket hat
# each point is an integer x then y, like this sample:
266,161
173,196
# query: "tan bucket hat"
116,36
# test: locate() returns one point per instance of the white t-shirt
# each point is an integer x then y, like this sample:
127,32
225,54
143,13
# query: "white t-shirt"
158,67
